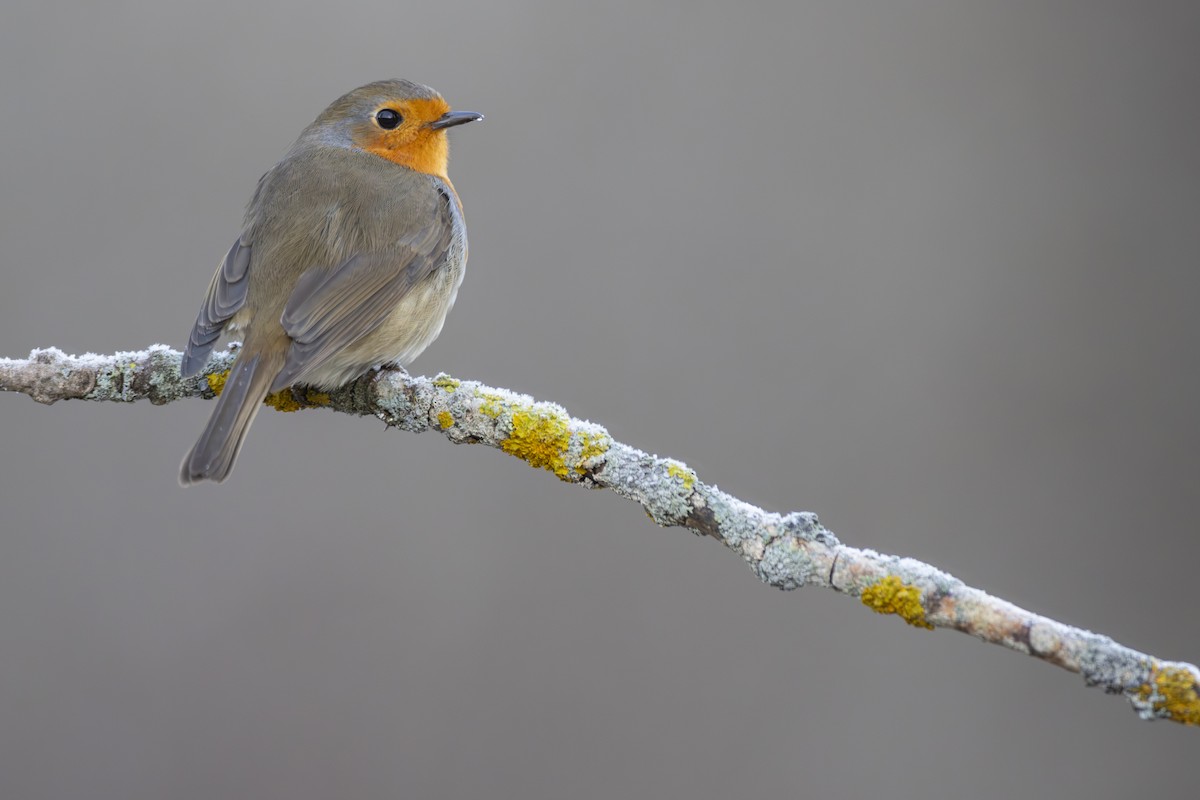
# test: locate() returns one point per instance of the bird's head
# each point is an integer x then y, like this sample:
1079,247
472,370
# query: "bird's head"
398,120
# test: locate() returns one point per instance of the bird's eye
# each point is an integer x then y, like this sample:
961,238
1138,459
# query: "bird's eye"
388,119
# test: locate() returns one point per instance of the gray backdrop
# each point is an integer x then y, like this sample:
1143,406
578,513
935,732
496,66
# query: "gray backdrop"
927,269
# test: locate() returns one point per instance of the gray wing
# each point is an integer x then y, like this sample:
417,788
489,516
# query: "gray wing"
332,308
226,294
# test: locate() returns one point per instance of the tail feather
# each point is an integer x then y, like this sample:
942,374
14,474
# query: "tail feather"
213,455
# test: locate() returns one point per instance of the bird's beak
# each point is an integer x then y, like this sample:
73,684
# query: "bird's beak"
452,118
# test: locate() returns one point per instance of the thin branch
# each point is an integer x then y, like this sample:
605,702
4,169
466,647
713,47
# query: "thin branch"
785,550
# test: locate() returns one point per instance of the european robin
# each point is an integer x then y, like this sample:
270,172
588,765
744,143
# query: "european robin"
350,256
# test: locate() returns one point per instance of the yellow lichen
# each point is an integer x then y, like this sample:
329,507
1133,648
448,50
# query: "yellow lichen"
893,596
280,401
446,383
677,470
283,400
1174,692
315,398
592,446
491,405
540,438
216,381
445,419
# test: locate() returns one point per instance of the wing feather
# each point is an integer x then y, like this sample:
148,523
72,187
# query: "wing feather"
226,294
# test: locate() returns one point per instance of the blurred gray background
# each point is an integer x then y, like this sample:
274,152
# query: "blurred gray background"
927,269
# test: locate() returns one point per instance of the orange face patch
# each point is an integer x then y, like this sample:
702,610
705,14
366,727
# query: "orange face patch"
412,143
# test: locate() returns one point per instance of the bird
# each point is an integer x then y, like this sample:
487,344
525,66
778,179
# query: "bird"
350,256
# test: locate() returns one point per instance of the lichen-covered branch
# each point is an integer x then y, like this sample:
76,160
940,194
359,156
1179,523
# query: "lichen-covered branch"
785,550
